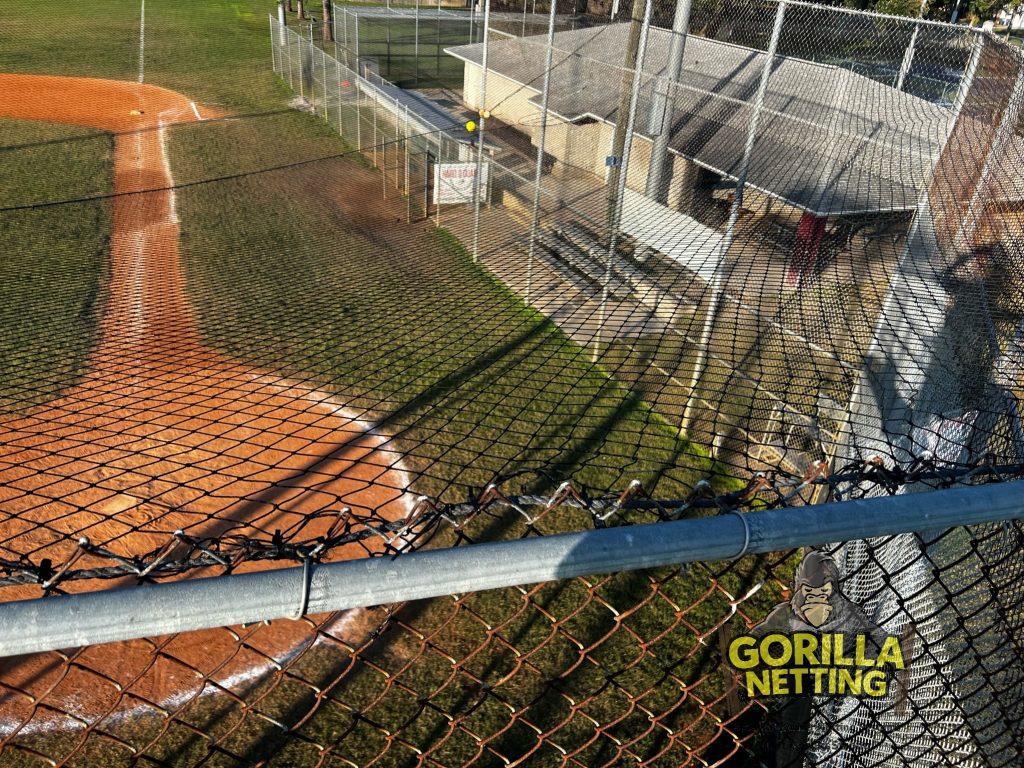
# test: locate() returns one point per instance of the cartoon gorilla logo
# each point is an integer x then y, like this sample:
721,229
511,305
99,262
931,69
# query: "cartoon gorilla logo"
818,604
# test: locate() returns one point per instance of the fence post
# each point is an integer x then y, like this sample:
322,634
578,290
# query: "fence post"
718,280
359,113
291,66
302,68
437,186
323,74
908,57
341,95
405,148
617,178
480,135
968,78
273,46
539,167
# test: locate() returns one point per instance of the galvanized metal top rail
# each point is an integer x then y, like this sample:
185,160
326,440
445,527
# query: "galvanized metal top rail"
32,626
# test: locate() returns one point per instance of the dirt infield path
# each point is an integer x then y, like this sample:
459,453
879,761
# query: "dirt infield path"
163,433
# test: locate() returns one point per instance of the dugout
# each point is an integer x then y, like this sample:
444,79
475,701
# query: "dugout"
838,154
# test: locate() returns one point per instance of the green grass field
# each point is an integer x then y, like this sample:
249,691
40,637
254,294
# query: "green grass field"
54,257
402,324
295,265
472,381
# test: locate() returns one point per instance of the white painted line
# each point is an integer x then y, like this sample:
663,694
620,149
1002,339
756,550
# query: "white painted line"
168,178
195,111
142,41
174,701
333,407
137,317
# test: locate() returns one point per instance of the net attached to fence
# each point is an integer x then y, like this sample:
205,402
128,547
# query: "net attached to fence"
419,277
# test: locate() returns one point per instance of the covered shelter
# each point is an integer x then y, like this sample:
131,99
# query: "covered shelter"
831,142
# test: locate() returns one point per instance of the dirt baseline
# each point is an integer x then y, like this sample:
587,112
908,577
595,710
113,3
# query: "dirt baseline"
163,434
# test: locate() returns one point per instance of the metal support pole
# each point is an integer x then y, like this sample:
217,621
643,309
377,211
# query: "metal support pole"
622,146
291,59
127,613
341,94
273,43
347,44
663,103
359,114
968,79
437,184
718,280
323,73
539,167
416,45
376,143
908,59
405,147
480,135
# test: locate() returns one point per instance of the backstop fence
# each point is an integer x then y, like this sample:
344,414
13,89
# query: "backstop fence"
761,257
637,665
784,219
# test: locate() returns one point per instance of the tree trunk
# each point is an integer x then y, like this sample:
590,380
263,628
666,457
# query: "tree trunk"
290,9
328,22
302,9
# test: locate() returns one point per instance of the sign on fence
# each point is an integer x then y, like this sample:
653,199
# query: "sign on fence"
453,182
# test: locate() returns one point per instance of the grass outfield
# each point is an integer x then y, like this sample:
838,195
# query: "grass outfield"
54,258
216,52
396,319
295,264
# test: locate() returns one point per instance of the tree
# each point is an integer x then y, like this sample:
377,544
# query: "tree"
328,25
899,7
983,10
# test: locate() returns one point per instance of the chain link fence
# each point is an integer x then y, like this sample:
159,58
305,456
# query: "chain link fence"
588,671
753,255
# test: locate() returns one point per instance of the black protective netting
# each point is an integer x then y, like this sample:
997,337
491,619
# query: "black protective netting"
268,298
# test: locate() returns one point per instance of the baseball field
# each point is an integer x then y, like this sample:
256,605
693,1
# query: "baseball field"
213,323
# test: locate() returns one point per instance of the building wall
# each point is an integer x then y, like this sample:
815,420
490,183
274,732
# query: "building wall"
584,147
506,99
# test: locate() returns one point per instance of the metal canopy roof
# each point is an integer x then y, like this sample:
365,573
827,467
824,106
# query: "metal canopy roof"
830,141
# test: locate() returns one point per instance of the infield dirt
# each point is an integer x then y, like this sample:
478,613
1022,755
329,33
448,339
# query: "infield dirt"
161,434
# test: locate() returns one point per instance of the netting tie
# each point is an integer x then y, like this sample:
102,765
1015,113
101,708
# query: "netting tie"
746,535
304,601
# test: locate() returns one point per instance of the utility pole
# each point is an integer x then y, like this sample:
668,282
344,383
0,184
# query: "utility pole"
625,95
328,22
625,119
662,106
